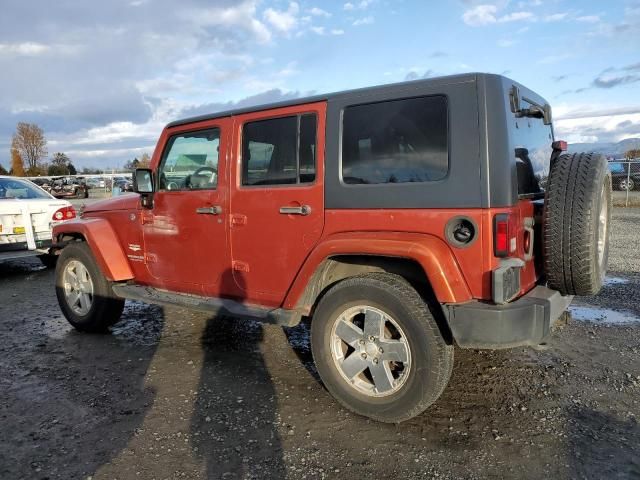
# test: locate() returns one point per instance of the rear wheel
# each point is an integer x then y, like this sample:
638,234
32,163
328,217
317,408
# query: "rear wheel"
576,223
84,294
378,348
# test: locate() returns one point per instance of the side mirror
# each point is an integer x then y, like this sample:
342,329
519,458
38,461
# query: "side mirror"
143,181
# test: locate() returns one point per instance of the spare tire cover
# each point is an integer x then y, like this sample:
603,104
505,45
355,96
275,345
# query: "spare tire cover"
577,216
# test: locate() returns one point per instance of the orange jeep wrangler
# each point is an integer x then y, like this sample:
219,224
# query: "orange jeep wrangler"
398,220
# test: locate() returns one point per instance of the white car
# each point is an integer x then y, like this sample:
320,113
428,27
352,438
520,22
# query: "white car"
27,215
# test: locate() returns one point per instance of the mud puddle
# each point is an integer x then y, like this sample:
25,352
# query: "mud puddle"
602,315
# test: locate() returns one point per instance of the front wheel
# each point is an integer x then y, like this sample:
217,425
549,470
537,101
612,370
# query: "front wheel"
84,294
378,348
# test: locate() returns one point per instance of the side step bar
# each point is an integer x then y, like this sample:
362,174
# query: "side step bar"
277,316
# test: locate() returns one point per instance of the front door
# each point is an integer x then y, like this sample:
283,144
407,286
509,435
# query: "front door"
277,199
185,232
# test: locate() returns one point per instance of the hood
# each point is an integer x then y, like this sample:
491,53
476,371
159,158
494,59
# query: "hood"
126,201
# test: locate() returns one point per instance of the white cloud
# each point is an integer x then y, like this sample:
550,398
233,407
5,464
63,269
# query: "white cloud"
516,16
26,48
318,30
486,14
318,12
589,19
337,31
362,5
363,21
242,16
584,123
283,20
556,17
480,15
505,43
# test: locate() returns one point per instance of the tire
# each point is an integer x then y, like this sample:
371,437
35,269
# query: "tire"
625,185
576,229
49,260
104,308
417,383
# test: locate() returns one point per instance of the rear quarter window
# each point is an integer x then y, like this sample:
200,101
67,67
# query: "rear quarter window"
398,141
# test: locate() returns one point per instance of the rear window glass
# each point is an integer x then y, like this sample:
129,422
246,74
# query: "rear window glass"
398,141
22,189
279,151
532,140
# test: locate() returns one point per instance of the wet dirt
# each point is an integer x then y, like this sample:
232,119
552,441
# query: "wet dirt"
173,394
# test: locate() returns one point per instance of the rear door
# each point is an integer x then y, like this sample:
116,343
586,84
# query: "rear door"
277,198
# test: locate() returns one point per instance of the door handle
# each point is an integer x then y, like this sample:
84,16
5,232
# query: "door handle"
302,210
215,210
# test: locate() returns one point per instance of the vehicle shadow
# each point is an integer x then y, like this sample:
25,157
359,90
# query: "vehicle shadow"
601,445
71,402
234,424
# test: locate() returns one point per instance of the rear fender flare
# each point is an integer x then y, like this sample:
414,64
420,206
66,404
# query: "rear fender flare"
104,244
431,253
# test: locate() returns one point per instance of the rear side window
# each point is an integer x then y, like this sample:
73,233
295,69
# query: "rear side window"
398,141
279,151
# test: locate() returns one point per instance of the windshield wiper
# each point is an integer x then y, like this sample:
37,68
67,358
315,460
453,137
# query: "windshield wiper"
535,110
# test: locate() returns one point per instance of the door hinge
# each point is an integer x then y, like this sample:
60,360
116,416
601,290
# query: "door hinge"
240,266
238,219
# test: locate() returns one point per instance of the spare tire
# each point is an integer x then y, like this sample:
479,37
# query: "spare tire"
577,216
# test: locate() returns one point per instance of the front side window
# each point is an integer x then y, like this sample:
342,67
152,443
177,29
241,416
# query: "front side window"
279,151
190,161
397,141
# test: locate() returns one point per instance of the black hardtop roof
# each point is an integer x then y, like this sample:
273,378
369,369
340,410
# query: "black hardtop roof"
380,89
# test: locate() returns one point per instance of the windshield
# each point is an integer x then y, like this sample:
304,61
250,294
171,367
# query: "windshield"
11,188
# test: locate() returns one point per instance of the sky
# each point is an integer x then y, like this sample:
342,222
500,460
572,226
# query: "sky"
103,78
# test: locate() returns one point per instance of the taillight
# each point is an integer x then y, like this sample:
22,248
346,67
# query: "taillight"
559,145
64,213
504,239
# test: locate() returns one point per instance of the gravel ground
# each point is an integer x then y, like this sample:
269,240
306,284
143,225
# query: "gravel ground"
173,394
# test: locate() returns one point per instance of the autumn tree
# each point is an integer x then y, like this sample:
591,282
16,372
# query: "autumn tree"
30,143
145,161
17,165
632,154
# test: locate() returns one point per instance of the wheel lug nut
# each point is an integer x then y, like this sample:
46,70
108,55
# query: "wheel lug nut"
371,338
361,341
380,350
364,355
375,360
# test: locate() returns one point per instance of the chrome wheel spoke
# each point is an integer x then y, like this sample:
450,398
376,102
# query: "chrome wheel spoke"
348,332
370,351
373,324
382,377
73,297
78,287
353,365
394,351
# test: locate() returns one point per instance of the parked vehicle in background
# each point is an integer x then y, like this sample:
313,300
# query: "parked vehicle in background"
124,184
27,216
622,178
68,187
397,219
94,182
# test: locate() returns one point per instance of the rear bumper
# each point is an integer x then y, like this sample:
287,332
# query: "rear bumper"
525,321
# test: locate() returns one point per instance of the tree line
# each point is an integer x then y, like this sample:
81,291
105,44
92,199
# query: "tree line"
29,156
